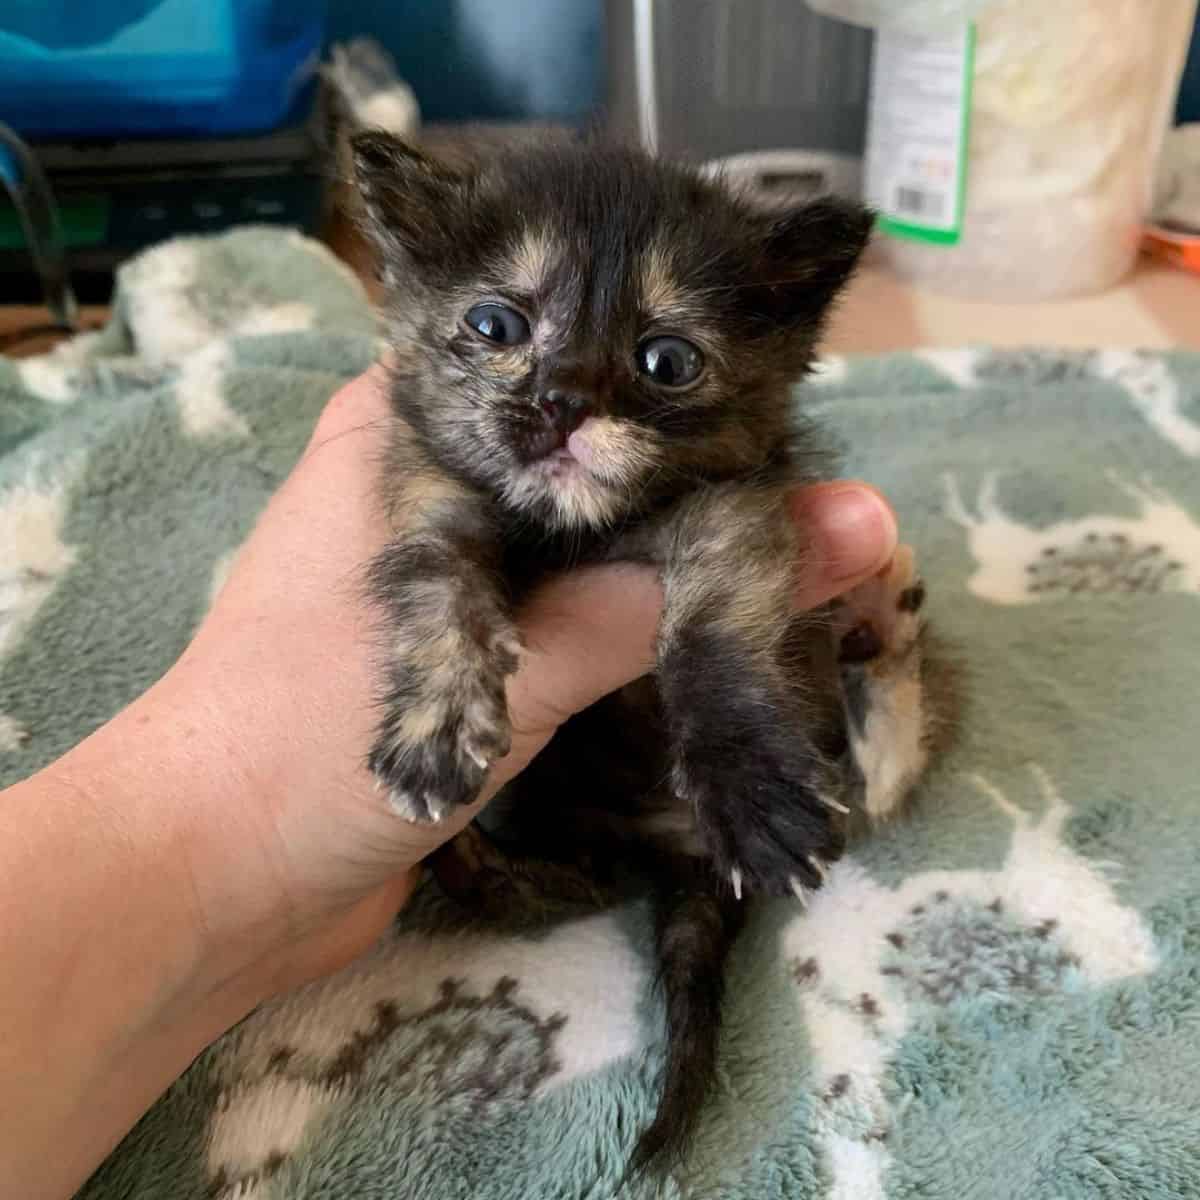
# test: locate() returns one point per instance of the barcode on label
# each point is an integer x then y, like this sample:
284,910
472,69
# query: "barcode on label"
915,202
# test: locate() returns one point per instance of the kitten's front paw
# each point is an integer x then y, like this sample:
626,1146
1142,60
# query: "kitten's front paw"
440,734
767,806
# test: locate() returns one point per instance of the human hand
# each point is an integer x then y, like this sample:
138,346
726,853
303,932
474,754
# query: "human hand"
295,862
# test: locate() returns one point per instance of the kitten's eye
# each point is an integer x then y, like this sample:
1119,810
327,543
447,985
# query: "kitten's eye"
498,323
670,362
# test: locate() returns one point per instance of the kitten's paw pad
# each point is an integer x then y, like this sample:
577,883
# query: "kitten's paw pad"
433,755
768,812
880,618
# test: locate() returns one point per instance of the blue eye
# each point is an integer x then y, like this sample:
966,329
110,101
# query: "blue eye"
498,323
670,362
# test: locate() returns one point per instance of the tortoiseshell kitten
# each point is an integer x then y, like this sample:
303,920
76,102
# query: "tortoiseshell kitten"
594,354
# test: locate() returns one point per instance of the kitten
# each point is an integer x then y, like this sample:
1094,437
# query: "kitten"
594,353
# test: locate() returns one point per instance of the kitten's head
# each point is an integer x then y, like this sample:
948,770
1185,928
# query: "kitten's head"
586,330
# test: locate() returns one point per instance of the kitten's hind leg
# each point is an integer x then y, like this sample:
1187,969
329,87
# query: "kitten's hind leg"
509,888
899,703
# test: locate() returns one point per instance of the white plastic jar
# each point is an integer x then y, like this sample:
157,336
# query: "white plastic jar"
1071,101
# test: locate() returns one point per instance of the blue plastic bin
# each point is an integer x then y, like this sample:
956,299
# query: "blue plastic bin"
113,68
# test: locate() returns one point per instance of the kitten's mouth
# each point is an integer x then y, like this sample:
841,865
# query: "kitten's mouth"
560,454
542,445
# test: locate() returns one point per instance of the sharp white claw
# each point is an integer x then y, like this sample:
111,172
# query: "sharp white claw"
836,805
818,866
798,890
476,756
735,878
436,809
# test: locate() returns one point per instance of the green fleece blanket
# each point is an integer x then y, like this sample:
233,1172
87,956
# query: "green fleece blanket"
997,999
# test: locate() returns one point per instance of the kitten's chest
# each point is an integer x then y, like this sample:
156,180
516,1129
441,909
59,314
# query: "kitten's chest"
531,555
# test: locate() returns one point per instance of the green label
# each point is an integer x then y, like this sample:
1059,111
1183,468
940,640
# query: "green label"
919,132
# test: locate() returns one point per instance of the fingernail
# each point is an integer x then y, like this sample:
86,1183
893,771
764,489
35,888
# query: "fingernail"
855,528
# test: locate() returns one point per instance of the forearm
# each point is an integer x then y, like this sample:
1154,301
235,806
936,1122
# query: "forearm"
141,919
106,993
155,886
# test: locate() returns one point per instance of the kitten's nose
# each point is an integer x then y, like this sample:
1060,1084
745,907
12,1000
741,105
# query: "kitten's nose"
565,411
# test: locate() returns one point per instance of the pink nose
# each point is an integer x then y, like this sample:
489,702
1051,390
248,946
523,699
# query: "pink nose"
565,411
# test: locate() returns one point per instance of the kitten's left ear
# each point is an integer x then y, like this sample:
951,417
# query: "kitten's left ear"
410,200
811,251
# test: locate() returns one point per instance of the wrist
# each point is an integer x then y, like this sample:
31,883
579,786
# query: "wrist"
138,799
172,777
267,905
128,819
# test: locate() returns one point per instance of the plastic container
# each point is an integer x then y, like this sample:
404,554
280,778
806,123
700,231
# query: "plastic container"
114,68
1070,106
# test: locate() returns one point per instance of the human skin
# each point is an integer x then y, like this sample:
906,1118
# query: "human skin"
220,841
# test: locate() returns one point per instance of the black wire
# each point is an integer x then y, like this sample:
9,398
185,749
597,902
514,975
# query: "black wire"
31,195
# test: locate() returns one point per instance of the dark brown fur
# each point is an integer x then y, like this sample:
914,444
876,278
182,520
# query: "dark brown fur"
733,768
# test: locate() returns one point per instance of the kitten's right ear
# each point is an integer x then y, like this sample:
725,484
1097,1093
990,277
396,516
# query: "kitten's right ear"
410,200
